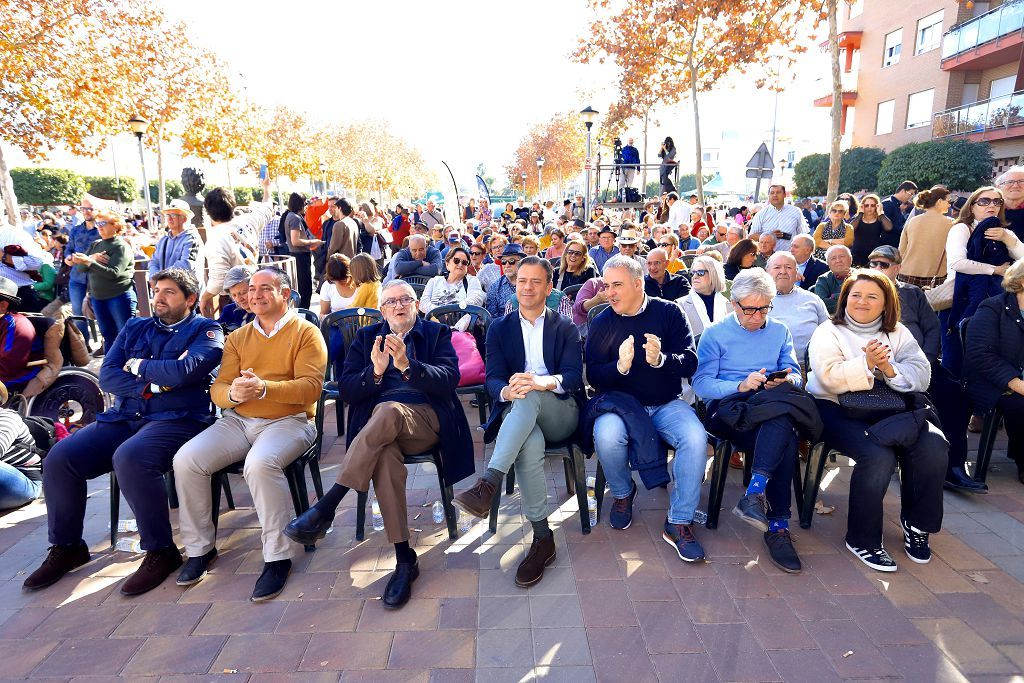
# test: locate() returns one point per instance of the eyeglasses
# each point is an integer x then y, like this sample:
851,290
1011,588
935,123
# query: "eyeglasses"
838,211
477,253
102,224
1018,183
401,301
460,262
721,234
85,208
509,261
880,264
751,311
572,252
664,244
699,273
988,201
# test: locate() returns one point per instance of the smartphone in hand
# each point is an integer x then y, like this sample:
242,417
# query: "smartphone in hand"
781,374
263,171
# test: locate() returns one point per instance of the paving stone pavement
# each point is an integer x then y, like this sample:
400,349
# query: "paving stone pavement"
615,606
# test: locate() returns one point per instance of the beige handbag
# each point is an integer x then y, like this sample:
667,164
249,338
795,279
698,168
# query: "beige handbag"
940,297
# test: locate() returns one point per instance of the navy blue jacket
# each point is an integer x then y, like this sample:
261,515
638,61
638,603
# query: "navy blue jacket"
814,269
506,356
891,209
434,371
180,359
675,286
631,157
995,350
648,454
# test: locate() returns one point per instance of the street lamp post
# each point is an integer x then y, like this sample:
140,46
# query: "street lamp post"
540,179
523,177
138,126
323,175
588,114
380,190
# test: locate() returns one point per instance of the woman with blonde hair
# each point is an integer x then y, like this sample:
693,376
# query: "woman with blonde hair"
458,286
576,266
834,229
366,279
923,241
705,304
109,264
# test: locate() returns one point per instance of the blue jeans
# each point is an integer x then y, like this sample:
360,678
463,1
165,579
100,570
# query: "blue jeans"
773,445
112,314
77,292
15,488
680,428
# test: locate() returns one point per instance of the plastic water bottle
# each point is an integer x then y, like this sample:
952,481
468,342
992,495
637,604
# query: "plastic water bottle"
378,519
592,483
700,517
437,510
591,506
465,522
127,526
129,545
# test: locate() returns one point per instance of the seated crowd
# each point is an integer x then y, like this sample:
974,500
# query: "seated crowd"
755,341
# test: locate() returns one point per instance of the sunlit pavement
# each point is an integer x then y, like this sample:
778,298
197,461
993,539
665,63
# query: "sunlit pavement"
615,605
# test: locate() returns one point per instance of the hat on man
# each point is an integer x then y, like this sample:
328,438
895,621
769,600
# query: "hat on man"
887,252
237,275
628,237
180,207
579,224
606,229
513,249
9,291
453,236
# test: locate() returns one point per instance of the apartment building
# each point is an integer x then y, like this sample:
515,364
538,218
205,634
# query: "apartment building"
923,70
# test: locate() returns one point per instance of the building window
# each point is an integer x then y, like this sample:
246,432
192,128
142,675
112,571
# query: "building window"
919,108
893,46
929,33
790,158
883,123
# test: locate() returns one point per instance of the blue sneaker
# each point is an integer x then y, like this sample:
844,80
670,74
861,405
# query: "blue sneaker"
621,515
680,537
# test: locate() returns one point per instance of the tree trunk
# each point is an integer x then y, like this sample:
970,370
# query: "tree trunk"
162,191
9,207
696,118
837,100
643,172
227,165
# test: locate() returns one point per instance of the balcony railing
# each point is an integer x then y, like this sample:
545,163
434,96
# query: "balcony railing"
979,117
1003,20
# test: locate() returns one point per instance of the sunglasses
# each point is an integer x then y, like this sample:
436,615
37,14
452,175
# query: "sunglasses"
102,224
988,201
699,273
880,264
509,261
477,253
573,252
460,262
664,244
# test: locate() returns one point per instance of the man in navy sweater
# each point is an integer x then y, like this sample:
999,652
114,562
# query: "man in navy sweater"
535,376
159,373
642,346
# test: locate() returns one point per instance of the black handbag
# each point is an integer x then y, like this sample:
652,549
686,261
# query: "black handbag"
875,403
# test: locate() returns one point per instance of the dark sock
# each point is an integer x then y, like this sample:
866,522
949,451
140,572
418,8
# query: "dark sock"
541,529
331,500
493,476
404,554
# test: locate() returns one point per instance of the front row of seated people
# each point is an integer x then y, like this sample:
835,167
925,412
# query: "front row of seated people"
399,379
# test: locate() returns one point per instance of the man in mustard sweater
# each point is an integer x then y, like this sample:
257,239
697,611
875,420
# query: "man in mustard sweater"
269,382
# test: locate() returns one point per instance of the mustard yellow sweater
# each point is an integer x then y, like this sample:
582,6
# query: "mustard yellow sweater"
292,363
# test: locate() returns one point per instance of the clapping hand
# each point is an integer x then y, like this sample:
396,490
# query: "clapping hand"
395,347
101,258
379,356
653,349
246,387
877,355
625,355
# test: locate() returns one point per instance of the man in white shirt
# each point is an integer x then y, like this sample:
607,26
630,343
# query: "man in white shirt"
432,216
678,212
780,218
801,311
535,375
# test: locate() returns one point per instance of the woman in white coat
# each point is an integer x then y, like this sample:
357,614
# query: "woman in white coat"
705,304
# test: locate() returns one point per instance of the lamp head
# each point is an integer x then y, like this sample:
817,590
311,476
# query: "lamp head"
540,162
589,115
138,125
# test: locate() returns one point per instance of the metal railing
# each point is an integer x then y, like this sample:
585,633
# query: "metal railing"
1002,20
978,117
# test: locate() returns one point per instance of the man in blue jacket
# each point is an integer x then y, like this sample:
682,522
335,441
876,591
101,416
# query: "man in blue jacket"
641,347
399,383
419,258
159,374
535,377
181,247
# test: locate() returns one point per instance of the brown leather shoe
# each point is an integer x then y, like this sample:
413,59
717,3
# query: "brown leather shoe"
531,569
976,423
154,570
60,560
477,500
736,461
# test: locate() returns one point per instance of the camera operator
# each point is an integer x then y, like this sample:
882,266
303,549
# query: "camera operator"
627,160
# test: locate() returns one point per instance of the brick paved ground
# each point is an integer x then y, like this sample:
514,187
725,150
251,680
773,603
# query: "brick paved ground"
615,606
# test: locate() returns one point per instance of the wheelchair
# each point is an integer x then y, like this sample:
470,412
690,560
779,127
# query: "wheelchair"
55,384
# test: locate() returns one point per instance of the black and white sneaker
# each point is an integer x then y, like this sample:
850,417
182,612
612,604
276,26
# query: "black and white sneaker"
915,543
877,558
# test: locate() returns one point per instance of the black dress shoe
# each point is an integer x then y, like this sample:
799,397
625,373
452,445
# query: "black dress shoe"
309,527
59,561
272,580
195,568
957,479
781,551
399,588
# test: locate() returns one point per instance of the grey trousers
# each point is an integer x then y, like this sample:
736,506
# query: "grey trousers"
267,446
541,416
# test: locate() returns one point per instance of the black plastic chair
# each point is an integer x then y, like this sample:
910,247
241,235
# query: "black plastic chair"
447,493
571,291
347,322
720,470
593,312
687,259
575,482
295,473
990,427
417,282
115,501
309,315
479,321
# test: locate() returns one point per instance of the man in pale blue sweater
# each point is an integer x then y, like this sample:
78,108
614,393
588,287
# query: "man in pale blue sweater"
747,351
